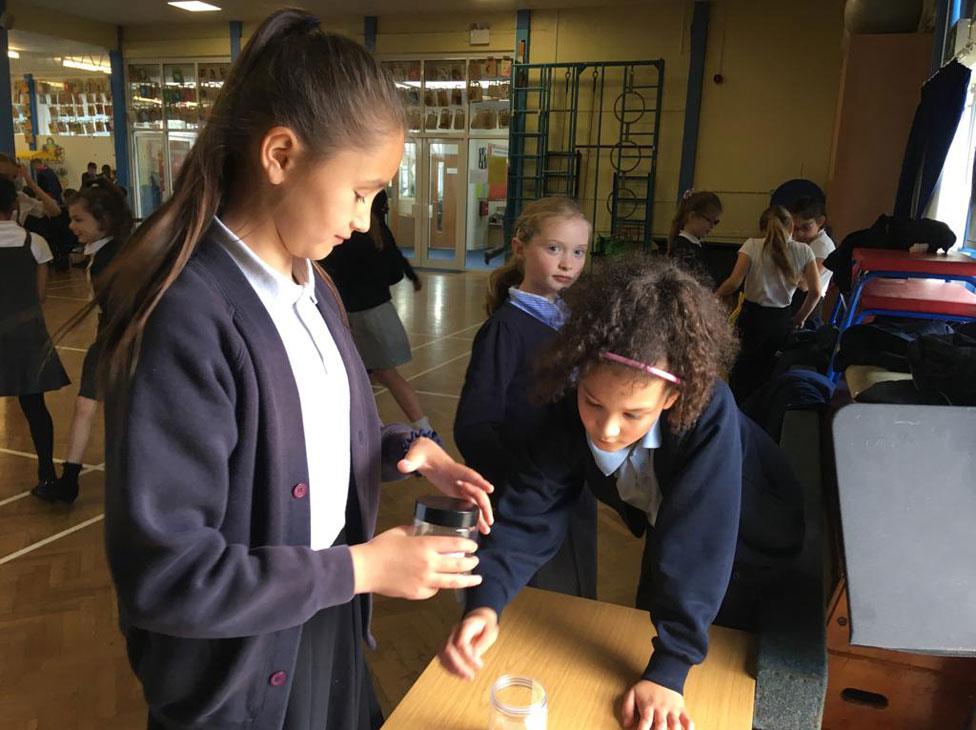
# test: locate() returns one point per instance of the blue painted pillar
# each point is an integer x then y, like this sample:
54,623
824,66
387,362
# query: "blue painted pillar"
6,102
370,26
120,120
693,95
32,96
236,31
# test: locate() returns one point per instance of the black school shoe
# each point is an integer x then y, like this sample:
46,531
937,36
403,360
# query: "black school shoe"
56,491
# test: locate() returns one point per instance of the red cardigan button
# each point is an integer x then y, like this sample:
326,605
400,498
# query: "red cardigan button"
300,490
278,679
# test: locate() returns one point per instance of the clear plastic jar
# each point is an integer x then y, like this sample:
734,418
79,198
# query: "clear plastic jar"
445,517
518,703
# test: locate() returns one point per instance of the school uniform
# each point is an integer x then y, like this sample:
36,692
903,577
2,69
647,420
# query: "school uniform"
497,414
766,319
242,459
28,362
719,509
28,207
100,253
363,274
822,246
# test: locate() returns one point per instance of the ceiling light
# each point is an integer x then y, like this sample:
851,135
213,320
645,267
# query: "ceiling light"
13,54
85,66
194,6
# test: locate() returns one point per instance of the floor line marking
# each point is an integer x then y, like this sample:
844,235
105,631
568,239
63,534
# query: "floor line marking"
428,370
52,538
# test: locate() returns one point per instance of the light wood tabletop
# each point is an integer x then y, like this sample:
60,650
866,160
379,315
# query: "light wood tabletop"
586,654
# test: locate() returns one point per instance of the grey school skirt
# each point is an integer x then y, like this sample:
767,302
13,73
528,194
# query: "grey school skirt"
380,338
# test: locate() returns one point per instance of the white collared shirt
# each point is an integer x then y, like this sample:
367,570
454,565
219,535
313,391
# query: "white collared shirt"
13,236
323,385
95,246
633,468
690,237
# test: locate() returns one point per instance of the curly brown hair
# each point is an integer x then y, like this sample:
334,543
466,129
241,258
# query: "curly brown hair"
651,310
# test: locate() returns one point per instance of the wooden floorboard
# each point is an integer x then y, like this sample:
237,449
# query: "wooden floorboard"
62,659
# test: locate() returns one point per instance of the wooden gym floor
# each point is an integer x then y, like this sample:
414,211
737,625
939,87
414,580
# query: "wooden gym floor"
62,659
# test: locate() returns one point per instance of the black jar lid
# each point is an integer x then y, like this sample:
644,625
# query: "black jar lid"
446,512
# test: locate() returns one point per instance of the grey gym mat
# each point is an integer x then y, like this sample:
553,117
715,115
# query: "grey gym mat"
906,477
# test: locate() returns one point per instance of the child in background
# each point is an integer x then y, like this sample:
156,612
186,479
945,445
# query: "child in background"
29,365
363,269
771,268
698,213
645,423
809,216
496,414
243,448
102,222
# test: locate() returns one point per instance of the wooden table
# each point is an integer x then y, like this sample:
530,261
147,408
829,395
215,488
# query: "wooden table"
586,654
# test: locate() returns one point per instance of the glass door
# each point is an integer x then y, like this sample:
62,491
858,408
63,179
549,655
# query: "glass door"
427,202
179,147
150,171
445,187
404,216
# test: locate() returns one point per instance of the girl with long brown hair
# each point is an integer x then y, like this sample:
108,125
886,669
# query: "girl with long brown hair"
243,447
101,221
769,269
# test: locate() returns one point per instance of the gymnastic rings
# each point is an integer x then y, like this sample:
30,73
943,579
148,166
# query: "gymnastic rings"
632,112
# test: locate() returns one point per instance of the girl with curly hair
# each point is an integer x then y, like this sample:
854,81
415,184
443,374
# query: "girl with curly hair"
643,420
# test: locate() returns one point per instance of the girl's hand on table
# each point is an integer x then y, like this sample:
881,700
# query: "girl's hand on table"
649,706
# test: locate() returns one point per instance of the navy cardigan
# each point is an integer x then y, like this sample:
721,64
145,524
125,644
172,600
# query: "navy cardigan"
207,534
496,413
728,497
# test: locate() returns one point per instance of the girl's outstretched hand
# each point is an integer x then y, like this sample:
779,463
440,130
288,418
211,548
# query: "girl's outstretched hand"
453,479
469,640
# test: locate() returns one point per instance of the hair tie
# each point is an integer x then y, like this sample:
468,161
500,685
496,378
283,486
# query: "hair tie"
687,193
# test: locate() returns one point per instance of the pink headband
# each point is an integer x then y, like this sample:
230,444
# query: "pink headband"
664,374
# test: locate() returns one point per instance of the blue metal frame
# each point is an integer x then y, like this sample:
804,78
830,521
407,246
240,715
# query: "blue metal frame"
120,124
852,316
7,145
236,28
32,95
516,146
693,96
370,28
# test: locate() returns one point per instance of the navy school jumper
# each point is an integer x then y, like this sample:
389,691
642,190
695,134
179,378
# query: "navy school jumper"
497,416
730,503
207,518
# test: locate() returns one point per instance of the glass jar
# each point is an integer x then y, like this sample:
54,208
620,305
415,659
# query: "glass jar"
518,703
445,517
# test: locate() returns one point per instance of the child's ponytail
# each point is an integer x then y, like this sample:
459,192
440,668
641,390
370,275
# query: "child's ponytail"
775,223
501,280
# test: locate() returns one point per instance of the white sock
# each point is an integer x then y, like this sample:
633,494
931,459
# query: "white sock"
422,424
